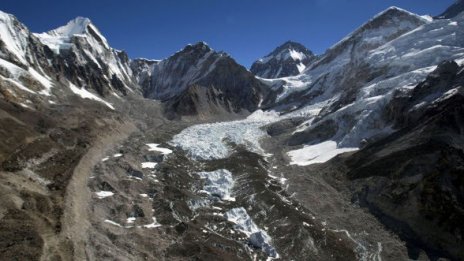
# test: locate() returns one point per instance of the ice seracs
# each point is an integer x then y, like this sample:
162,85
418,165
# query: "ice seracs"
245,224
218,183
215,140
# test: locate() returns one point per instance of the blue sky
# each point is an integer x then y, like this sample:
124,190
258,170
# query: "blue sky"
246,29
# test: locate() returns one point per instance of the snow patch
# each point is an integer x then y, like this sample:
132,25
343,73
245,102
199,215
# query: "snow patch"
155,224
149,165
154,147
318,153
112,222
300,67
297,56
83,93
104,194
44,81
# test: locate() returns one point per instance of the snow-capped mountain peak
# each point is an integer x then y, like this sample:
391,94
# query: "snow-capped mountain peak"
74,27
61,37
289,59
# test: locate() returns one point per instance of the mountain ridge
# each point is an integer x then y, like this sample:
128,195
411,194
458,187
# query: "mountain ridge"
356,157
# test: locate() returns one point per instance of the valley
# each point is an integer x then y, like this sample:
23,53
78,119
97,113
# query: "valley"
353,154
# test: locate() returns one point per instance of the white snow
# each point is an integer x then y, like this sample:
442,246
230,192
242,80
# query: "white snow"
155,224
104,194
284,55
154,147
245,224
43,80
60,38
13,69
300,67
14,36
112,222
318,153
15,73
82,92
130,220
149,165
218,183
297,56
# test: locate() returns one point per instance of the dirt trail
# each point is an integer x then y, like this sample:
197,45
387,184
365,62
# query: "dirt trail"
72,242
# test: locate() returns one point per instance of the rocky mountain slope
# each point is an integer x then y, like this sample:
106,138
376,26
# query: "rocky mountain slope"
199,79
452,11
358,156
289,59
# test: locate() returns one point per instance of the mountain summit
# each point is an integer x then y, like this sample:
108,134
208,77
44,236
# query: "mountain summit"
198,76
289,59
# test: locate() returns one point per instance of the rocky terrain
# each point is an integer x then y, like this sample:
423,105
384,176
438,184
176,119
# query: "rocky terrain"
354,154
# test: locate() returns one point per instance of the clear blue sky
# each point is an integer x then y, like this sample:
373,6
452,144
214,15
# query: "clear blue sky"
246,29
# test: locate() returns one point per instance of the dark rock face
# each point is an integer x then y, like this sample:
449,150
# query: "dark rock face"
289,59
199,77
142,70
321,132
413,180
453,10
283,126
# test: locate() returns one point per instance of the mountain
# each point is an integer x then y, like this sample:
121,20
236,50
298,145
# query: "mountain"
53,67
358,156
289,59
352,82
415,190
452,11
78,57
84,49
142,70
198,76
388,95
